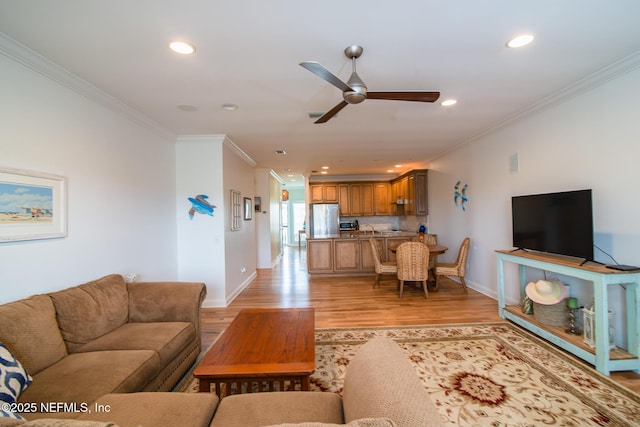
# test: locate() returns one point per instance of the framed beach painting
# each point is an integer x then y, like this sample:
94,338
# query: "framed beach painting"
33,205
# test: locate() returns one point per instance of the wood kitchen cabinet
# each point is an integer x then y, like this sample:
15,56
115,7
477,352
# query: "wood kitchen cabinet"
361,199
324,193
382,199
421,204
344,199
411,189
367,263
355,199
320,255
346,255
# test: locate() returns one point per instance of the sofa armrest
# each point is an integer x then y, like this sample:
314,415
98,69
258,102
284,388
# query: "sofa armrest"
166,302
381,382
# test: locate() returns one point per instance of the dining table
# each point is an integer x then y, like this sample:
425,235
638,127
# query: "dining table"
434,250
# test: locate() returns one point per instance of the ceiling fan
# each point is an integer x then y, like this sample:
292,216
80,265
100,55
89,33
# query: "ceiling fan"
355,91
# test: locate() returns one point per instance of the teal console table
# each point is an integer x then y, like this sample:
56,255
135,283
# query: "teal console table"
601,278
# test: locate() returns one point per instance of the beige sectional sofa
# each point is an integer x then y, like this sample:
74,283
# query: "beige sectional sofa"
115,347
105,336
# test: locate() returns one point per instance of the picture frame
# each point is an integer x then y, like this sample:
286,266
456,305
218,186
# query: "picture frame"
257,204
236,209
247,209
33,205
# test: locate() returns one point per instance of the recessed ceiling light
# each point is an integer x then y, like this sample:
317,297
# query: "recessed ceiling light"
325,167
229,107
390,170
448,102
521,40
187,107
397,166
182,48
280,152
323,172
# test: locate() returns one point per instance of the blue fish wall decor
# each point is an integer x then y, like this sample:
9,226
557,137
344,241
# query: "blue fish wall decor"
200,205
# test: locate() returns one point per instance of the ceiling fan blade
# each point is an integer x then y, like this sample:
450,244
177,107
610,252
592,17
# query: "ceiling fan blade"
325,74
405,96
326,116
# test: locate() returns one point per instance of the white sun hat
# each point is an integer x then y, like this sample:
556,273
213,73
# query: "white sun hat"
546,292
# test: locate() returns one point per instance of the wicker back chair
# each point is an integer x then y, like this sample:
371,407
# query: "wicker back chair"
382,267
457,269
413,264
429,239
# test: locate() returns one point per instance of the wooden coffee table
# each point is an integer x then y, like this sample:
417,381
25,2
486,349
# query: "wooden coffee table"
264,346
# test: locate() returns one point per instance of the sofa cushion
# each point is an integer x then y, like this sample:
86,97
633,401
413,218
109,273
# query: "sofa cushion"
156,409
52,422
363,422
14,379
83,377
381,382
30,331
261,409
168,339
88,311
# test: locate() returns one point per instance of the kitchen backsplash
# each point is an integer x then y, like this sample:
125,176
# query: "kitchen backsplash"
389,223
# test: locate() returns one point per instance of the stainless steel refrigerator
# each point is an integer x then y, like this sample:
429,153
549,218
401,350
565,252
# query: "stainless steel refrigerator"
324,219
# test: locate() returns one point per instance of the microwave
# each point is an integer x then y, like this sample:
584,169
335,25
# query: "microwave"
348,226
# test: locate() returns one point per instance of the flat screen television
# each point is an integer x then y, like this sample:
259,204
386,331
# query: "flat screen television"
559,223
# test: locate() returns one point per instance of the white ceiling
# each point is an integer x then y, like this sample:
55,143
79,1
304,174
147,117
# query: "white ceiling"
248,54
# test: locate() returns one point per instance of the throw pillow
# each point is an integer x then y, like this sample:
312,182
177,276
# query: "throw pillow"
14,379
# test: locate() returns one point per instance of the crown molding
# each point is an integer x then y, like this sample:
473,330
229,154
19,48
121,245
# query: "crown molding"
352,178
220,138
43,66
244,156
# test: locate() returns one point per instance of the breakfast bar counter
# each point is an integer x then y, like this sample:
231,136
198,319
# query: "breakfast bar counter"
349,252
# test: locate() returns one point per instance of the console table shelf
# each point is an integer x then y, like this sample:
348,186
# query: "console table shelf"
559,331
601,357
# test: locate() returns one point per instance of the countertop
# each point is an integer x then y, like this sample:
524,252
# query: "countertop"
361,234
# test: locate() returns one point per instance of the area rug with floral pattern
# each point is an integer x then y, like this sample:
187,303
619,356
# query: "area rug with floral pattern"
491,374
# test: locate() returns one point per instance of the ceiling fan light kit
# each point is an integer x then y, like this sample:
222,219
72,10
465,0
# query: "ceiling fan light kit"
355,91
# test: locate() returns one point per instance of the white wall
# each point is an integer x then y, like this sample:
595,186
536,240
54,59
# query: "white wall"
121,186
589,141
240,245
208,250
200,252
263,221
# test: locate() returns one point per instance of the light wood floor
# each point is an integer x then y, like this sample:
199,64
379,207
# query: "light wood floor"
351,301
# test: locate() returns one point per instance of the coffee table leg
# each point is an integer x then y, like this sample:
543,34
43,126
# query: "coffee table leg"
205,386
304,383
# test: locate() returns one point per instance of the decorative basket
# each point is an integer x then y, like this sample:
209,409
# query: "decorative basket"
552,315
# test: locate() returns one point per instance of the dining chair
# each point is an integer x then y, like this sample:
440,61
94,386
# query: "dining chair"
413,264
429,239
382,267
456,269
